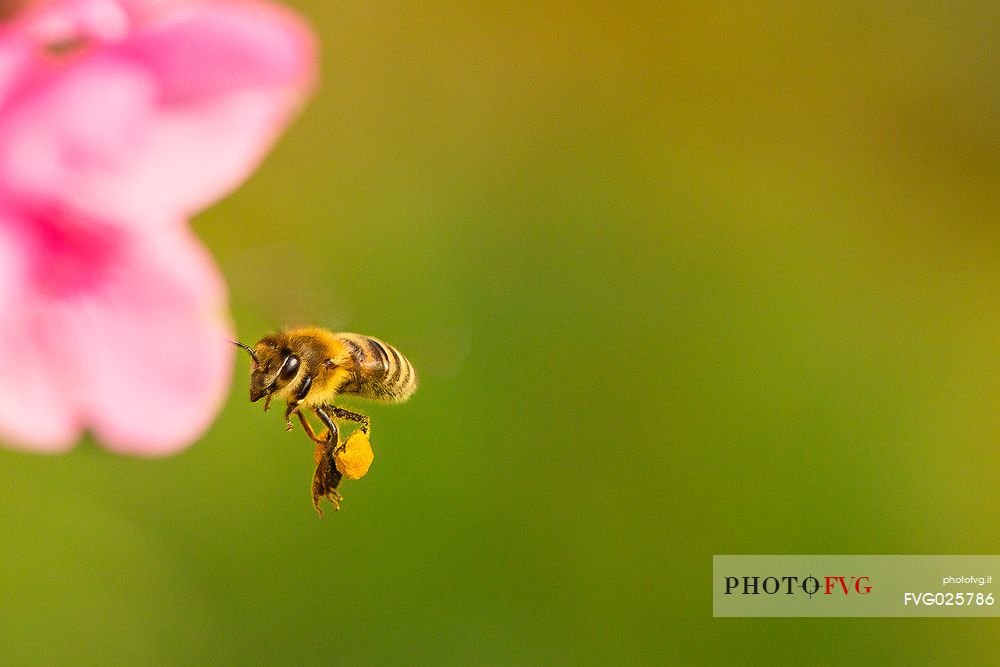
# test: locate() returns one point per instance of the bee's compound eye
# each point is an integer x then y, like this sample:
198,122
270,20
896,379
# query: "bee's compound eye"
289,367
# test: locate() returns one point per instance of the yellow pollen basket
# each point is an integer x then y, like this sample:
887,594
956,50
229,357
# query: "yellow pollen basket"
356,457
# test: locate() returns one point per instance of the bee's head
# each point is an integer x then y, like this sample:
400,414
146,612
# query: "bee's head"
274,368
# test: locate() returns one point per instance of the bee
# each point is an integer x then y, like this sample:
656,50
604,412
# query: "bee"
308,368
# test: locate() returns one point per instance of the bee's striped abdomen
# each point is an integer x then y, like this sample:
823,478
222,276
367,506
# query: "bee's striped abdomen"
381,372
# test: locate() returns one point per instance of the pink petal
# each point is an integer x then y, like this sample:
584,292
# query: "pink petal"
36,412
230,76
33,415
160,124
72,131
64,20
202,51
13,269
15,56
139,356
158,365
25,36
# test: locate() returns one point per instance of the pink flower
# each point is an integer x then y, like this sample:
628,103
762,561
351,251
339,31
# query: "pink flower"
119,119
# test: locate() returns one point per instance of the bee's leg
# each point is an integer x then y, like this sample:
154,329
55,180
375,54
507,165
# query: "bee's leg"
325,481
327,421
319,439
327,477
362,420
293,406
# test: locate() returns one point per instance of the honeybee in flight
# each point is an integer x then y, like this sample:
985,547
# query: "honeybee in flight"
308,368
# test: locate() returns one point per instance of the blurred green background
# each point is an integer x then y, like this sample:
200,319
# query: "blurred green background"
679,279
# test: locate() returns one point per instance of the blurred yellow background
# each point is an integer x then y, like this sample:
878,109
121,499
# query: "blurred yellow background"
680,280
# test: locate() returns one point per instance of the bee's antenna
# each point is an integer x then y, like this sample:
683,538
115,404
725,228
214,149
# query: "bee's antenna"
248,349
